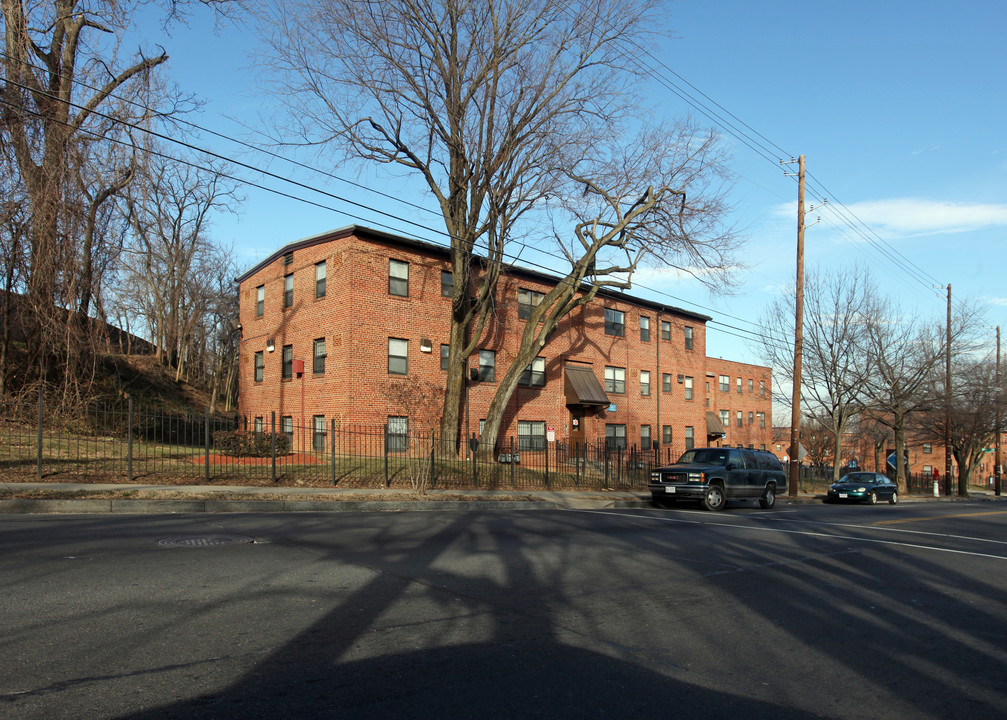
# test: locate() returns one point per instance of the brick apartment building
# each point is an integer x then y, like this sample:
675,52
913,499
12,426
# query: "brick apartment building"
329,323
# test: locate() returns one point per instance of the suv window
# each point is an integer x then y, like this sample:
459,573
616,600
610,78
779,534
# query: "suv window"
768,461
751,462
704,456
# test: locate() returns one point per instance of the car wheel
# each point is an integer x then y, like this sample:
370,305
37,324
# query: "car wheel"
894,498
768,499
715,499
872,498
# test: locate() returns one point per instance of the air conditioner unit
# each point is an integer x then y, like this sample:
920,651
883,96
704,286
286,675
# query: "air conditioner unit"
681,379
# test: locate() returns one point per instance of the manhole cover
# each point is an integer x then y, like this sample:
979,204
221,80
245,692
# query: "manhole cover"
205,540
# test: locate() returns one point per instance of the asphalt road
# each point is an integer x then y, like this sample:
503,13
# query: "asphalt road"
803,611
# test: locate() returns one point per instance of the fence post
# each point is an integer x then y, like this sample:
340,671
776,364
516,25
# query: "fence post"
272,441
38,467
605,457
576,462
206,442
333,451
512,463
474,447
547,464
129,440
433,465
388,480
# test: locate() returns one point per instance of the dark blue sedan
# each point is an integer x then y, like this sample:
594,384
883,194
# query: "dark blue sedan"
866,487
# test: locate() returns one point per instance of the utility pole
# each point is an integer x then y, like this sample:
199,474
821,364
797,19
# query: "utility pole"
795,412
947,405
996,444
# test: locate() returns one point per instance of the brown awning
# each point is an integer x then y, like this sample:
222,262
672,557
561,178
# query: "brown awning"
582,387
713,425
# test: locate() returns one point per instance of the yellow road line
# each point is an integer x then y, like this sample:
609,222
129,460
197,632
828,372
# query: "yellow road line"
938,517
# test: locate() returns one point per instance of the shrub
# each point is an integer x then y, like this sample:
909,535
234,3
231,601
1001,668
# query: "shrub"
247,443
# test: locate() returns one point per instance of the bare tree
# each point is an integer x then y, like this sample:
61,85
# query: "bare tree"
501,107
837,359
417,400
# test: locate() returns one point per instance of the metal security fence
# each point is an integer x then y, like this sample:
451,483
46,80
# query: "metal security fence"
123,443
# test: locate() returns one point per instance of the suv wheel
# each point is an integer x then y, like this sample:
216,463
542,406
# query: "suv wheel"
768,499
715,499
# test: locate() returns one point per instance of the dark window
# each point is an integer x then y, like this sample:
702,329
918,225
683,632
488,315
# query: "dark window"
398,278
739,386
927,448
527,300
645,437
751,418
725,383
688,338
260,300
287,428
666,382
751,385
665,330
645,329
615,322
447,284
645,382
534,374
666,435
740,418
288,362
398,356
258,424
531,435
487,365
688,388
398,433
725,418
318,357
445,350
288,291
762,388
615,437
690,440
615,379
318,433
260,364
320,279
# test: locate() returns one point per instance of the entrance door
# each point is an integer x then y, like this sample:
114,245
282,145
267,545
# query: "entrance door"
576,426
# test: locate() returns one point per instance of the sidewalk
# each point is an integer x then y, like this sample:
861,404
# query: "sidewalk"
152,498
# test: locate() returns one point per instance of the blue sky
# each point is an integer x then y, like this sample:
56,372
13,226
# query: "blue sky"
899,109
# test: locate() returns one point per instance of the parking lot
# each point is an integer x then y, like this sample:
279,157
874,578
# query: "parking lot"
803,611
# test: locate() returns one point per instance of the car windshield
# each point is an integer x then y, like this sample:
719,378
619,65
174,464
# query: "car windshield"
861,478
704,456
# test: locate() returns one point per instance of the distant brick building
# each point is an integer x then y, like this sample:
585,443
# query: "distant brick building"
329,322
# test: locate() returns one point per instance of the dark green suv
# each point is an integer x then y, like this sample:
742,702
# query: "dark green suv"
714,475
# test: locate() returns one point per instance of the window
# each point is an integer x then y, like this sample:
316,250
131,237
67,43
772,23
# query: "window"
740,418
534,374
645,329
288,362
318,357
928,471
398,278
615,322
690,440
288,291
260,364
398,433
739,386
645,437
665,330
751,385
666,382
488,365
318,433
615,437
666,435
762,419
724,383
645,382
688,338
725,418
260,300
288,259
527,300
530,435
615,379
398,356
445,350
258,424
927,448
762,388
447,284
287,428
688,388
320,279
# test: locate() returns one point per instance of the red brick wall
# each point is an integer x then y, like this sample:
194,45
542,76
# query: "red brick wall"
358,315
